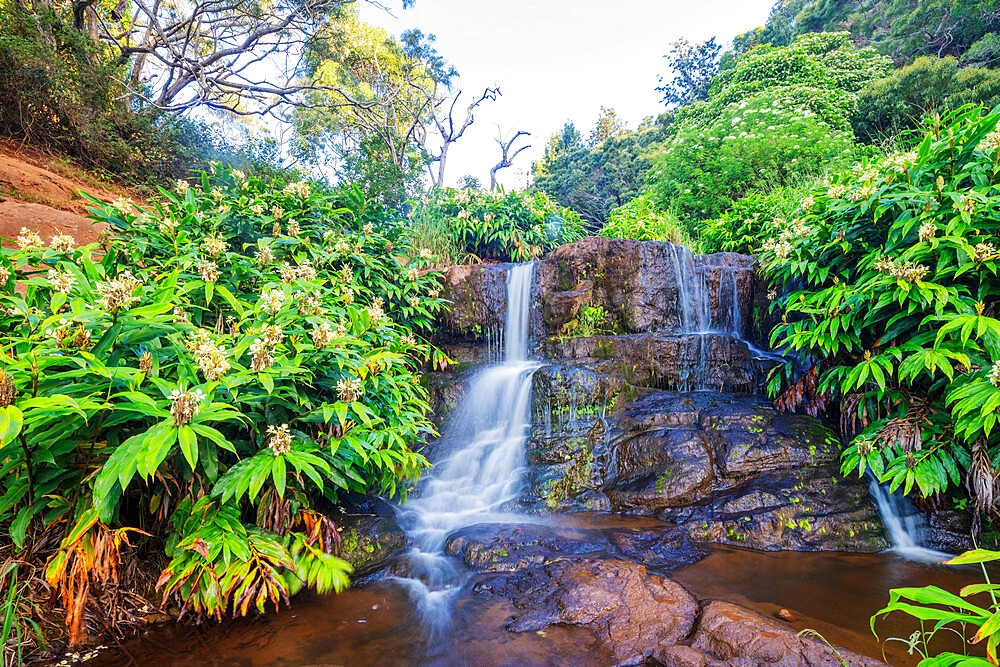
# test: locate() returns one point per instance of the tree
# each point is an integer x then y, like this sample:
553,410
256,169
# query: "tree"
506,157
594,179
448,130
693,65
902,29
929,85
608,126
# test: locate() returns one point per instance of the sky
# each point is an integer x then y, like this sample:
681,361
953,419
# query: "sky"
557,60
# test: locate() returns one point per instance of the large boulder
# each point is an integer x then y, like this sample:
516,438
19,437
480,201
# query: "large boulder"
742,637
632,611
730,469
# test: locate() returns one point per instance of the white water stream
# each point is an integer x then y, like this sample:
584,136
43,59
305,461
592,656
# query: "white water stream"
485,445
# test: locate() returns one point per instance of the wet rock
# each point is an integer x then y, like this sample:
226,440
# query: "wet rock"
561,308
951,531
512,547
665,468
750,438
632,611
743,637
665,361
470,328
638,283
683,656
369,534
812,509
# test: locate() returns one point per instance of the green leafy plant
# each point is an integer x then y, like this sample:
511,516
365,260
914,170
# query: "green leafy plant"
226,359
16,622
892,290
642,220
939,610
503,226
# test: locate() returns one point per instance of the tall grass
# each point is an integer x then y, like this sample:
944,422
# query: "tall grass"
435,233
18,628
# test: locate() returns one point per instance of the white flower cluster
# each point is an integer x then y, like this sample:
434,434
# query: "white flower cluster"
264,255
210,357
995,374
262,357
906,271
280,440
209,271
349,389
927,231
322,334
300,188
61,281
184,405
117,293
984,251
29,240
272,301
215,245
62,242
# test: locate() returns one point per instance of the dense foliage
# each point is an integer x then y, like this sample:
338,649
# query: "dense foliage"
892,272
593,176
764,141
902,29
476,225
640,219
225,360
899,102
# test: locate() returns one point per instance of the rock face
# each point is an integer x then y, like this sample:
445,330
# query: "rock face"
639,284
632,611
728,469
650,417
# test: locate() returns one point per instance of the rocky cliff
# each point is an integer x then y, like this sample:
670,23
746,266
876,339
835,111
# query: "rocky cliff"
649,401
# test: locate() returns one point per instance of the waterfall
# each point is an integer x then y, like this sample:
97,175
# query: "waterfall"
903,522
693,305
482,471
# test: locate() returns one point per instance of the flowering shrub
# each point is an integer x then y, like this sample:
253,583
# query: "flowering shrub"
765,141
818,72
893,267
226,359
504,226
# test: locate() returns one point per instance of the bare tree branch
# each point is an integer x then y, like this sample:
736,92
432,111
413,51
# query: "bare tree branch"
506,157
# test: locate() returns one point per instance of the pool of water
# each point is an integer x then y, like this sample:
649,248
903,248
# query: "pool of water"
377,623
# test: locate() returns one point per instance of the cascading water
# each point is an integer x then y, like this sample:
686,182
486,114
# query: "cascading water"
903,522
485,445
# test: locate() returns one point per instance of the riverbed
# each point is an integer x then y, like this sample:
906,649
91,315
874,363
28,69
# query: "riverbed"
376,623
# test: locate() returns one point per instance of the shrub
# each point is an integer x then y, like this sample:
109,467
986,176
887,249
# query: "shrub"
893,271
503,226
818,72
642,220
763,142
224,361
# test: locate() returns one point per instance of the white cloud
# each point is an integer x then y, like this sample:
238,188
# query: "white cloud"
559,60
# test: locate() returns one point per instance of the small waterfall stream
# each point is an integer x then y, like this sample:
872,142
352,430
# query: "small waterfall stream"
903,522
485,445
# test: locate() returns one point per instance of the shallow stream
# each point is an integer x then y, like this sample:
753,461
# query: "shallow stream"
378,623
